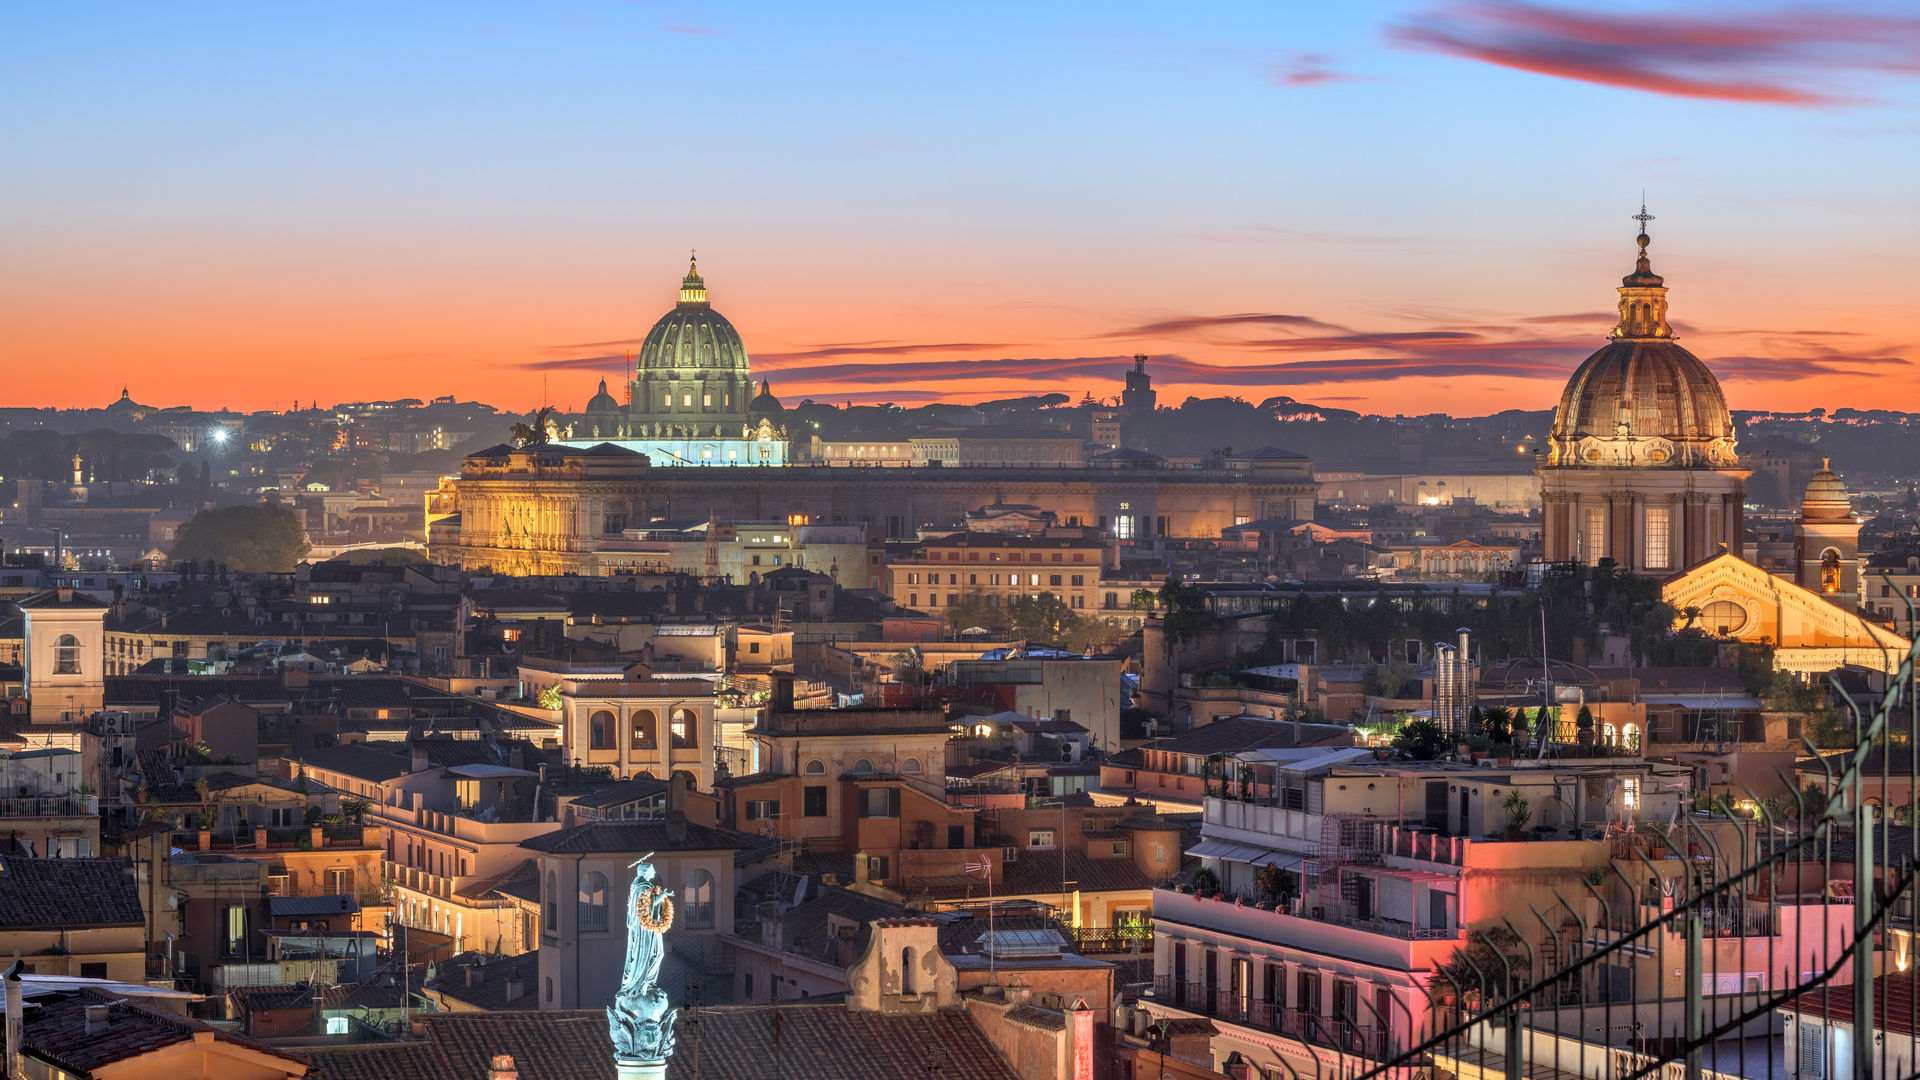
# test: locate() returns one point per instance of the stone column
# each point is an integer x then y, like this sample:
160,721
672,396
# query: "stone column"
640,1070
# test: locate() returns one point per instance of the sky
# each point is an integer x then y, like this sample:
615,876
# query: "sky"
1396,208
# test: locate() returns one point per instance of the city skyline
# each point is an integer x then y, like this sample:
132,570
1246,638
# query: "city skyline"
1395,209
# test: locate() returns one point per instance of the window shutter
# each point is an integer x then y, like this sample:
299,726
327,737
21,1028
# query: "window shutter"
866,806
893,802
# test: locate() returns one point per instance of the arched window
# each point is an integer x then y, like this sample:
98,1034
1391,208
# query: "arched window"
908,983
66,655
816,767
642,727
593,901
1609,735
910,765
1830,571
698,902
1630,735
863,765
683,725
550,911
600,730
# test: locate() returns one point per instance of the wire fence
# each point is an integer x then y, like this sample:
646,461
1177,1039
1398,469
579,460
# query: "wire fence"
1778,940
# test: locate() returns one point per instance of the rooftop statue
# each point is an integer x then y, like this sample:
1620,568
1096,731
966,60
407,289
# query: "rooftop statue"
640,1020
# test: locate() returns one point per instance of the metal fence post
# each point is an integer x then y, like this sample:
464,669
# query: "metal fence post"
1863,920
1693,970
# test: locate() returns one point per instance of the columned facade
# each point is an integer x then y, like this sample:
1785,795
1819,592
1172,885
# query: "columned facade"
1641,466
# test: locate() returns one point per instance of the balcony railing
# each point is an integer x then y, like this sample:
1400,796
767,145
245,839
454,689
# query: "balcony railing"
1390,927
1372,1043
46,806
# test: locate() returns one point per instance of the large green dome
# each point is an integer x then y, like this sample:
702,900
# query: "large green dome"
692,337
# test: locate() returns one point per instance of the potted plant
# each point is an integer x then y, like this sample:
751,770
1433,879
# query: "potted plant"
1205,882
1583,726
1519,813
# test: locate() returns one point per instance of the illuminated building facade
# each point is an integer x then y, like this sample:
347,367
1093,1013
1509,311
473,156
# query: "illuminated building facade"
1641,466
562,508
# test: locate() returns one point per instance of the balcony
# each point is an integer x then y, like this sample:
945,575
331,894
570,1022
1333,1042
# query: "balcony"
51,806
1228,1006
298,838
1389,943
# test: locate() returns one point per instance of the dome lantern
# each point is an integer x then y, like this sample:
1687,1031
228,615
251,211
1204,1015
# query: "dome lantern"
1643,294
692,289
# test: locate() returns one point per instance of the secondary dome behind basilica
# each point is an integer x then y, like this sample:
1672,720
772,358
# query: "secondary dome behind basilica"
1642,400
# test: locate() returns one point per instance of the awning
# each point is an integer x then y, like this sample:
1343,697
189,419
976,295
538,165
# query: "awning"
1245,853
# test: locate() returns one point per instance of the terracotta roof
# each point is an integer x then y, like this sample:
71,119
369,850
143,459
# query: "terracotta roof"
67,893
487,987
56,1032
734,1042
521,882
1893,1002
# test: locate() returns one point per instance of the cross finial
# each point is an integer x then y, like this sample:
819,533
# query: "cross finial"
1643,217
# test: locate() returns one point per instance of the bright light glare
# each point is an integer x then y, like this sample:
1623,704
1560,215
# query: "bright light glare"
220,435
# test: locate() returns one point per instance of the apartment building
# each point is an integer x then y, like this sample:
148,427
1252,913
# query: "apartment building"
1000,567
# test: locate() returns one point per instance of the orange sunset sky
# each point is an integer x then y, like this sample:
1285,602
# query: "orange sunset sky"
1391,208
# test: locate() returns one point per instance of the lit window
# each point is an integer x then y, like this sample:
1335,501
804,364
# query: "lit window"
1659,538
66,655
1040,838
1593,537
1630,792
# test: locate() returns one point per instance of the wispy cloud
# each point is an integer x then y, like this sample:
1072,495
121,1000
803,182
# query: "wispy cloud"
1790,368
1797,55
781,360
1192,324
1310,69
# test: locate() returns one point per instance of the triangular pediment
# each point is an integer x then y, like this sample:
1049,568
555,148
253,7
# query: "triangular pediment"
1727,577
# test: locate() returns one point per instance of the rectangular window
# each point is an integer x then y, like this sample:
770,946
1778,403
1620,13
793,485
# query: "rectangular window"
1040,838
763,809
1593,535
93,971
339,880
814,801
1123,526
686,400
1630,792
880,802
1054,579
1078,579
1659,541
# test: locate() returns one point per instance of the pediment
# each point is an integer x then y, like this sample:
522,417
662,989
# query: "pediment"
1730,578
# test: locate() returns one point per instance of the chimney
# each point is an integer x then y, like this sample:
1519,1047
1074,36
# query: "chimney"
97,1019
16,1019
516,987
418,761
475,976
503,1068
66,596
859,869
677,826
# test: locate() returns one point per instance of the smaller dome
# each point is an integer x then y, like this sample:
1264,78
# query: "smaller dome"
602,402
764,403
1826,498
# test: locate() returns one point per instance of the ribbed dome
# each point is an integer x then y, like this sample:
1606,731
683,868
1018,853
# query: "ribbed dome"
602,402
1649,392
1642,400
692,336
1826,498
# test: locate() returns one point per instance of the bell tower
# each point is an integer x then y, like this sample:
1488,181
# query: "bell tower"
1826,540
66,654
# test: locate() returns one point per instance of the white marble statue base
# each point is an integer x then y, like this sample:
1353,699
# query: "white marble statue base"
640,1070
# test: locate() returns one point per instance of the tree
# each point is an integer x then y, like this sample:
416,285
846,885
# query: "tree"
1489,968
1497,724
1387,681
1421,739
1276,886
1186,612
249,539
1519,812
1583,726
